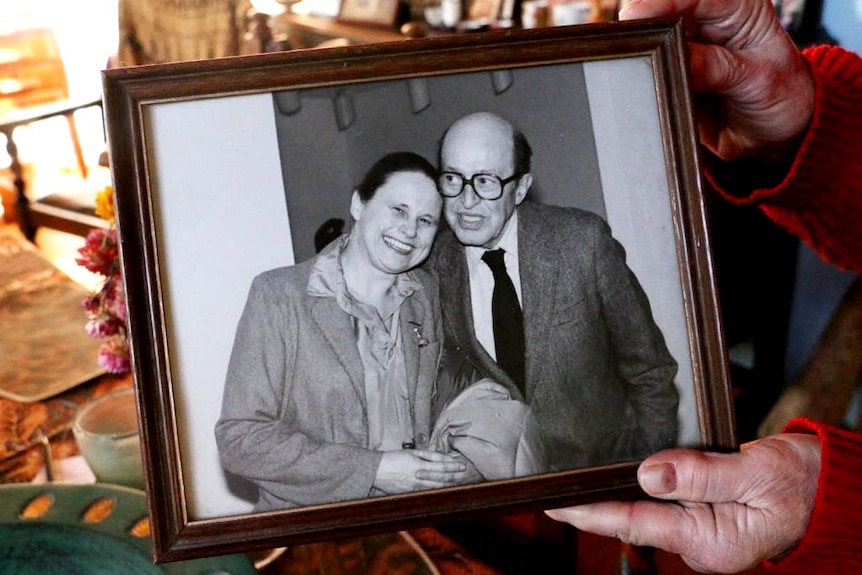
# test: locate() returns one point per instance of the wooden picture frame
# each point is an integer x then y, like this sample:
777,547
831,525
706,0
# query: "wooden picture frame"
215,182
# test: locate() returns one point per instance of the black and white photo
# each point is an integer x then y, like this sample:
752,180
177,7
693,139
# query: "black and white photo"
320,340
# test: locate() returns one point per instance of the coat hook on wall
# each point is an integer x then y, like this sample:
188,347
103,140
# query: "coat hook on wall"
344,112
501,80
288,102
419,98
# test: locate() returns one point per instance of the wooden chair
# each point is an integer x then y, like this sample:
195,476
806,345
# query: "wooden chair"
158,31
33,88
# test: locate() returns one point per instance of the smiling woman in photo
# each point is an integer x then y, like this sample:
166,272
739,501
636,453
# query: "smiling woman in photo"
330,383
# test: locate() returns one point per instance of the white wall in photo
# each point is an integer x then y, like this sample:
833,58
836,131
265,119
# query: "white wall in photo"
210,162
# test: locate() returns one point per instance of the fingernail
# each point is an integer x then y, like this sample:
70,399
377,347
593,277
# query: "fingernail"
658,479
554,514
568,514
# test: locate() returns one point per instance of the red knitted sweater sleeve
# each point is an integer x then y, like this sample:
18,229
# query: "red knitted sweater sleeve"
833,541
820,199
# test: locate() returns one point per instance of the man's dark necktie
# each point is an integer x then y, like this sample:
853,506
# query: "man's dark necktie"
507,318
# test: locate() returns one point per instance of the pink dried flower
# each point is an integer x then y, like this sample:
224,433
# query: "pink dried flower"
105,326
114,300
106,308
92,303
100,253
114,356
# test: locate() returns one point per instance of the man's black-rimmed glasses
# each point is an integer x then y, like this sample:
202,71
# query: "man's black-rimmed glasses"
486,186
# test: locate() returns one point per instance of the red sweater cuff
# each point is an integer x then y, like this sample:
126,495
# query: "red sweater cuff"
833,541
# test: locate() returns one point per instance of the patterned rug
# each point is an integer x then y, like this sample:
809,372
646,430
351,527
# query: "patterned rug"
44,348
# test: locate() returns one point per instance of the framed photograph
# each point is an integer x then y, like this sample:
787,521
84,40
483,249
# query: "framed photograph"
375,12
265,397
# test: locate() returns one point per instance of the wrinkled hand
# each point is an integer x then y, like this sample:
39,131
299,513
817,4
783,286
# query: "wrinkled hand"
414,469
739,53
727,512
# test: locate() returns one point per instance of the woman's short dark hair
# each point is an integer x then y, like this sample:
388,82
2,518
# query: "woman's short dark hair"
393,163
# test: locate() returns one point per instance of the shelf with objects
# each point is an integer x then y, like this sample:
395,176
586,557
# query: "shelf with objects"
322,23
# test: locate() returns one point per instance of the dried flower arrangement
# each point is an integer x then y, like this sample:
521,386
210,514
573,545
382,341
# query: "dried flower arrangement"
106,307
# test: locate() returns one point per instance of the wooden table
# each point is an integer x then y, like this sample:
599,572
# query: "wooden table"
27,429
